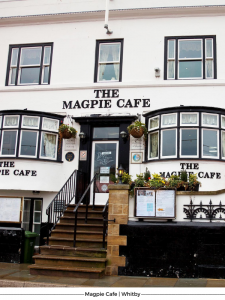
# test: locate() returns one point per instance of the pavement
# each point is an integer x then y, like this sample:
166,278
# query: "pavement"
18,275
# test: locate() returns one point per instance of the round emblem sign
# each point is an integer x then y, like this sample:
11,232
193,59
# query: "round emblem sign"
104,187
69,156
137,157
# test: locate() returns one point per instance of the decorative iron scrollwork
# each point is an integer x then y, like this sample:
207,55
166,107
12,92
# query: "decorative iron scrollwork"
204,211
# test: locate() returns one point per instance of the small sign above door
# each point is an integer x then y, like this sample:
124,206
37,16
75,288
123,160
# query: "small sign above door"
83,155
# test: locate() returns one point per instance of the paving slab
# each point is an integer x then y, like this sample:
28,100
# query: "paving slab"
72,281
107,281
23,275
160,282
129,282
182,282
215,283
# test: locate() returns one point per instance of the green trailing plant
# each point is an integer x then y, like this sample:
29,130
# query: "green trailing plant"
139,128
126,178
157,181
174,181
183,176
66,128
193,181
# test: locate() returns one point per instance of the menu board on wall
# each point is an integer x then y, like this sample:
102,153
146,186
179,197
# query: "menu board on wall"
10,209
155,203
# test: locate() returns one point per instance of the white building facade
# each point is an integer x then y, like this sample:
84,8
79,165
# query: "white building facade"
162,63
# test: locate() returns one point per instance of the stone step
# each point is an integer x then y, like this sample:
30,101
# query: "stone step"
77,272
96,243
70,261
81,220
80,227
70,251
90,214
83,207
79,234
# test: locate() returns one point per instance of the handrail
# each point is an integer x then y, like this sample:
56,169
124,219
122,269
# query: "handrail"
104,213
78,204
67,193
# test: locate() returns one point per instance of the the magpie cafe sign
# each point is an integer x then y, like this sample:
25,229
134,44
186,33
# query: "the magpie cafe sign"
192,168
8,167
104,99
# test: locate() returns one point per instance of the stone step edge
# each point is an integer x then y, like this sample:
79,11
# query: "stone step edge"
69,269
60,247
77,240
78,232
74,258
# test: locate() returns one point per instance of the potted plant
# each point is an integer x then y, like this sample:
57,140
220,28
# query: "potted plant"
66,132
157,181
193,182
174,182
137,129
183,185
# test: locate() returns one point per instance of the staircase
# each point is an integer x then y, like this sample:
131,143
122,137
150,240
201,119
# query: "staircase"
87,259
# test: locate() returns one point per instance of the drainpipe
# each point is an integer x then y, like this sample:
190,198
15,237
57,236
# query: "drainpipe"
107,18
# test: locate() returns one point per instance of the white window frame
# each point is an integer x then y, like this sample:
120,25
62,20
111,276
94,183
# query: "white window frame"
21,134
108,62
189,156
218,149
171,156
149,149
154,128
0,121
47,129
44,157
222,116
45,64
31,127
171,59
223,157
2,137
5,126
214,126
191,124
167,126
189,59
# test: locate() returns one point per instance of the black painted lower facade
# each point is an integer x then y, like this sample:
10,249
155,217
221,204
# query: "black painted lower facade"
179,249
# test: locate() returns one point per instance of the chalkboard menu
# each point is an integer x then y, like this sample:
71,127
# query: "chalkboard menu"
10,209
155,203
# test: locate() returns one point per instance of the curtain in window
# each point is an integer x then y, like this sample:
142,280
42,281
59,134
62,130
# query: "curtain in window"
154,145
30,122
189,119
48,145
223,144
11,121
154,123
50,124
110,55
209,120
169,119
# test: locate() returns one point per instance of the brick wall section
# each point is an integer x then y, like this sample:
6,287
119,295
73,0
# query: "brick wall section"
118,210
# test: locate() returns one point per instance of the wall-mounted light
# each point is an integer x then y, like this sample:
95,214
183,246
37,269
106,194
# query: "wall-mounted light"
157,72
120,174
36,192
124,136
83,137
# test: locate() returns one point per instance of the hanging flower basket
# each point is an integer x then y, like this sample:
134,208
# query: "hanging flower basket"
137,132
66,132
137,129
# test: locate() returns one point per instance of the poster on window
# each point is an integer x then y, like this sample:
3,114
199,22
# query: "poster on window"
10,210
155,203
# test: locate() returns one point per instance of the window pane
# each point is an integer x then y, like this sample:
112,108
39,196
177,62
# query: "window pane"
11,121
209,69
153,145
37,217
210,138
189,142
45,75
106,133
0,122
109,72
154,123
13,76
171,52
37,205
190,69
30,56
189,119
171,69
169,143
210,120
169,120
29,75
223,143
47,55
9,142
15,52
190,49
223,122
50,124
109,52
28,143
209,49
48,145
30,122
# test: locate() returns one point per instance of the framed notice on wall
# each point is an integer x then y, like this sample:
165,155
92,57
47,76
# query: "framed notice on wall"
155,203
10,209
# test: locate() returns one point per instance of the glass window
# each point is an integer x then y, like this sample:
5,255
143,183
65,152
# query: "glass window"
50,124
153,123
153,145
169,120
223,144
210,143
189,142
108,64
223,121
169,143
48,145
189,119
9,139
11,121
190,57
106,133
28,143
27,65
209,120
30,122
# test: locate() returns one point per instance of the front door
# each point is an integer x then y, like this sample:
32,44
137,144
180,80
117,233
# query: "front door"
105,162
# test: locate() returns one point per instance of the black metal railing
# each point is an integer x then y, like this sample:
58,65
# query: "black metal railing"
105,222
93,181
71,190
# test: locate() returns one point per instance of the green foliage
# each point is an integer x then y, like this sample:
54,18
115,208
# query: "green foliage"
157,181
147,175
193,181
174,181
64,127
126,178
183,176
137,125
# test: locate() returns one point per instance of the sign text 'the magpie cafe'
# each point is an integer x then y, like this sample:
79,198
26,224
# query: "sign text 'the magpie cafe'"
5,169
